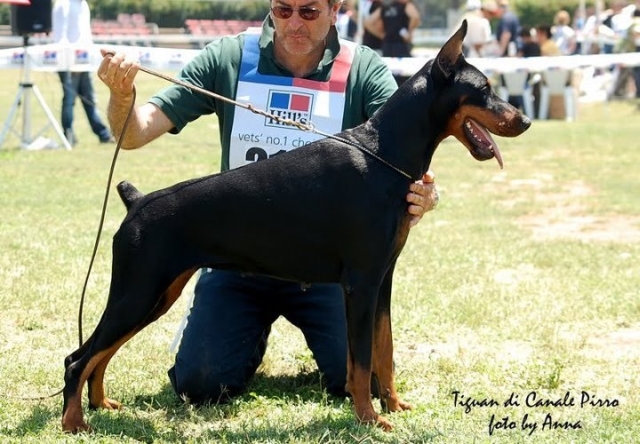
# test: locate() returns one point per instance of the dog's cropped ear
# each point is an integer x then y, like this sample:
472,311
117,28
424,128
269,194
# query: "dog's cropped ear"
444,64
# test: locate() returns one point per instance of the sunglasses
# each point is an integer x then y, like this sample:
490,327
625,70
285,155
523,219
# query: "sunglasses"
305,12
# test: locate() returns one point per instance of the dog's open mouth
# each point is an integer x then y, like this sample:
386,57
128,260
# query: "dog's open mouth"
482,145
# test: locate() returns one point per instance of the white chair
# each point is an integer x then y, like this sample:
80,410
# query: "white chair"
515,84
556,81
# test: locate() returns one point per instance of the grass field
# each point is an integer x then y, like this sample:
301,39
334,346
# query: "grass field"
517,298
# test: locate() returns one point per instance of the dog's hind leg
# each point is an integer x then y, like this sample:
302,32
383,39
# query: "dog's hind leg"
97,398
383,349
119,323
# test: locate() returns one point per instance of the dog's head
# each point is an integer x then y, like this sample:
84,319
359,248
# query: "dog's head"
471,109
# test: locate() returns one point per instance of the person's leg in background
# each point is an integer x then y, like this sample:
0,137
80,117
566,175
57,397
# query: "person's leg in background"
68,101
636,76
87,96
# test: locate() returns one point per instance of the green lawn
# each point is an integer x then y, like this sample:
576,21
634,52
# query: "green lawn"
522,285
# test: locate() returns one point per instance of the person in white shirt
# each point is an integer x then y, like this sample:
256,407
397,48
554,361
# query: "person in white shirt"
478,29
563,34
71,26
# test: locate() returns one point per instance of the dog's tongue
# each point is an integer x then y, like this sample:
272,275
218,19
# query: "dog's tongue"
484,136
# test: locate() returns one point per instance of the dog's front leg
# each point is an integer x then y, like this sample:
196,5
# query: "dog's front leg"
383,349
360,309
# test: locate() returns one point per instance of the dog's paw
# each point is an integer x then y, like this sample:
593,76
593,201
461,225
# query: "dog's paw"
105,403
75,426
394,404
369,416
111,404
384,423
398,405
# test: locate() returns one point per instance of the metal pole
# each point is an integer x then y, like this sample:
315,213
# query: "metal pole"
26,93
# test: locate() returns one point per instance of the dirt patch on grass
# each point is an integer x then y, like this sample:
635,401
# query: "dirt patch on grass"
566,216
619,344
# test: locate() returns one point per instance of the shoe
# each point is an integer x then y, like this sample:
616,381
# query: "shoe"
68,133
109,139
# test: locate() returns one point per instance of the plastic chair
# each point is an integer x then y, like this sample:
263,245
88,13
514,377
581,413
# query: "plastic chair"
556,82
515,84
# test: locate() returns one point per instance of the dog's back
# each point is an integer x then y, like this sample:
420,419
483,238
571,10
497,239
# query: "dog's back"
253,212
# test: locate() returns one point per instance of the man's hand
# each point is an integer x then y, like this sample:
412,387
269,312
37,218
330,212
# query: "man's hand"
118,73
422,197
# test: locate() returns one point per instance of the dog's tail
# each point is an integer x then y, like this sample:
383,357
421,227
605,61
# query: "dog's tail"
128,193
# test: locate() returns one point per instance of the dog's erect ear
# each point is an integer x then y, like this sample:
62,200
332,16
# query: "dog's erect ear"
450,54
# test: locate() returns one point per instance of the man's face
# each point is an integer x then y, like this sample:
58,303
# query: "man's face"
297,35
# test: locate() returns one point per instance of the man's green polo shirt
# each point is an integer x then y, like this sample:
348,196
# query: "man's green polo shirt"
216,68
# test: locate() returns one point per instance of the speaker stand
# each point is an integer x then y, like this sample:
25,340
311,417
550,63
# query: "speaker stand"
23,97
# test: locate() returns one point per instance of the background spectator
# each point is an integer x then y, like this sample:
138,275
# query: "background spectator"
547,46
478,31
346,22
629,42
634,38
71,25
507,30
529,46
564,35
399,19
373,38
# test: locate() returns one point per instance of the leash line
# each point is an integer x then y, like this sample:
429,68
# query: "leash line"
248,106
102,216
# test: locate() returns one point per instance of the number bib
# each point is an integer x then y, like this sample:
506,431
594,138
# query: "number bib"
255,137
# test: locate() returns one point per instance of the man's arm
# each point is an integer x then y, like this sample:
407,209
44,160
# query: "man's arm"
373,23
58,25
414,16
505,38
147,121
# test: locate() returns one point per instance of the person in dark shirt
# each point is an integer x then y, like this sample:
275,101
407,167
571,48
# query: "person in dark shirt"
399,19
507,30
529,47
373,38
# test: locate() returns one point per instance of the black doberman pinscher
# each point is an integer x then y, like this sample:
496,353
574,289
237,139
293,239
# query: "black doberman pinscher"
333,211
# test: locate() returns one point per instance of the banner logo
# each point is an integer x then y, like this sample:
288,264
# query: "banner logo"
289,105
17,58
50,58
144,57
82,56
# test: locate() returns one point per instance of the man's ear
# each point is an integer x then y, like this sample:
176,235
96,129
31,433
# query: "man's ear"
334,12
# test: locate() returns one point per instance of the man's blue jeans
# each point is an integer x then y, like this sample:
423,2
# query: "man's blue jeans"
80,85
227,330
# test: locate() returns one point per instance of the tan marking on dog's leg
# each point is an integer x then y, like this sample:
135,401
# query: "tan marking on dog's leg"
172,293
359,385
97,398
96,381
383,366
72,419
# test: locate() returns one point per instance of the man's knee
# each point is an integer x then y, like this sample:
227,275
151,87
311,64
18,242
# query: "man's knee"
199,386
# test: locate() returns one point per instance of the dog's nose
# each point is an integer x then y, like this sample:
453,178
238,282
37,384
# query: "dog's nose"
525,123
